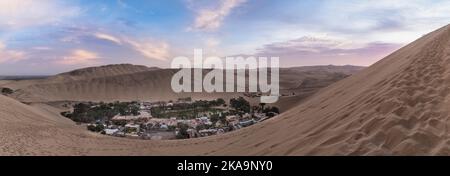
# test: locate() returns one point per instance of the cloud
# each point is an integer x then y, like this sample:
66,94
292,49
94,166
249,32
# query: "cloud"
151,49
42,48
10,55
25,13
125,5
108,38
80,57
212,42
122,4
385,15
306,44
209,19
399,21
317,51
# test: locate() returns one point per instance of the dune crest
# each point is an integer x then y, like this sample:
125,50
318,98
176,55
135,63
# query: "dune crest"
102,71
127,82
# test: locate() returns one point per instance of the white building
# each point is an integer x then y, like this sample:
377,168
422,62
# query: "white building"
164,127
111,131
208,132
232,118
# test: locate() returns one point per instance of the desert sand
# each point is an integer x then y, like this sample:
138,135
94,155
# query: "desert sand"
398,106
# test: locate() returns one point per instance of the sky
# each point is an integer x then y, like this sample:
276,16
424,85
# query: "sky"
42,37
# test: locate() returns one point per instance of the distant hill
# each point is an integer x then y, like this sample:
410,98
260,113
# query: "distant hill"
25,77
127,82
102,71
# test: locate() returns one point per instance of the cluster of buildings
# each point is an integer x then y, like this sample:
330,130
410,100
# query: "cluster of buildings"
145,126
233,122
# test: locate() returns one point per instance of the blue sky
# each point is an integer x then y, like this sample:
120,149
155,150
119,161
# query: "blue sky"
53,36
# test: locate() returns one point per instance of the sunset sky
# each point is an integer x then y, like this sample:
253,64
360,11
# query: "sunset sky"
53,36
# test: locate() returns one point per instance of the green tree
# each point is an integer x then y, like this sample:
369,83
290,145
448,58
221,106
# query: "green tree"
220,101
215,118
240,104
275,110
7,91
182,133
262,105
96,128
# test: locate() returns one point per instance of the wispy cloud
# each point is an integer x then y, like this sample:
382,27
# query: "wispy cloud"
108,37
209,19
308,44
399,21
151,49
122,4
316,51
10,55
147,47
25,13
42,48
148,32
80,57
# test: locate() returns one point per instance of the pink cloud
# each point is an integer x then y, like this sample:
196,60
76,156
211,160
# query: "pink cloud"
211,18
10,55
320,51
151,49
80,57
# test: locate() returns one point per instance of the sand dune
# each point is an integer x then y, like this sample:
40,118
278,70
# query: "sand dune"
102,71
80,74
129,83
398,106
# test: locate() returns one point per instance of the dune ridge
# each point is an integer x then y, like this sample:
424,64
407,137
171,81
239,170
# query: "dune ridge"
101,71
129,83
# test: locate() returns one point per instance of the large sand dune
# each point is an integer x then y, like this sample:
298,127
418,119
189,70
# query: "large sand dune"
398,106
130,82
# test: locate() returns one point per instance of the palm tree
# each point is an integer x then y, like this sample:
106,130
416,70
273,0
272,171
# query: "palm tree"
262,106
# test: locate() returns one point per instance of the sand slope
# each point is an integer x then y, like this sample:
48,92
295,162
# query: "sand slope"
398,106
29,131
